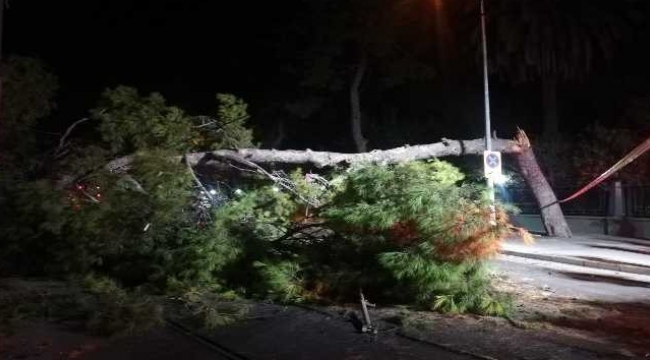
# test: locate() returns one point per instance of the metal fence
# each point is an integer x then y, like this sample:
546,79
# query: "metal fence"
593,203
596,202
637,201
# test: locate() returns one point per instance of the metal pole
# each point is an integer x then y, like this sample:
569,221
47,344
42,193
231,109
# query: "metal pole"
488,131
2,8
486,84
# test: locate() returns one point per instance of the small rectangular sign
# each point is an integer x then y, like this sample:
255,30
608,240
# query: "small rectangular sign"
492,163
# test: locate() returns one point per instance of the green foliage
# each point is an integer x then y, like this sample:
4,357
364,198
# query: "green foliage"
423,194
281,281
137,226
28,89
122,230
264,212
197,256
429,233
131,122
412,232
407,233
231,132
38,214
120,311
213,309
445,286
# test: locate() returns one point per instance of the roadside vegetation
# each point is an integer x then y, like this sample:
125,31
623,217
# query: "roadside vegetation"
414,233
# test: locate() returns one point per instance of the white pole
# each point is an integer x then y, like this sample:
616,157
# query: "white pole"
488,131
2,11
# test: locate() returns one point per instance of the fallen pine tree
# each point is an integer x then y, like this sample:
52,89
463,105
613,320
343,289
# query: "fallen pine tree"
402,228
519,148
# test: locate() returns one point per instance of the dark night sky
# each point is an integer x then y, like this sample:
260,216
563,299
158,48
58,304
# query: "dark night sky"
191,49
186,49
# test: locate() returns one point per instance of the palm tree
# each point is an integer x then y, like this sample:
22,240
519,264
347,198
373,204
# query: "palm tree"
554,41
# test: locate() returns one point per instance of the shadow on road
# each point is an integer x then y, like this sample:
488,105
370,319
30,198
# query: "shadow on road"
620,248
627,324
604,279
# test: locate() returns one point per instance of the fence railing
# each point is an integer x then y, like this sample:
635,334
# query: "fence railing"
593,203
597,202
637,201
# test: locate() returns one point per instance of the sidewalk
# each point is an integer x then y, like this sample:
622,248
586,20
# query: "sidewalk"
594,251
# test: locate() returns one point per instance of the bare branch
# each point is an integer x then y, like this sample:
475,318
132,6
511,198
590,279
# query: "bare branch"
198,182
90,197
213,121
136,185
260,170
67,133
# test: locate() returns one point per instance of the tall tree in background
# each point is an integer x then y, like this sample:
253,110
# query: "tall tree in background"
29,88
353,47
553,41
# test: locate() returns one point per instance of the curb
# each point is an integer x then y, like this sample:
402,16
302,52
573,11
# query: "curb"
641,270
611,238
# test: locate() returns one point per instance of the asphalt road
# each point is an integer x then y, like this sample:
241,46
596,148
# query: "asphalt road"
289,332
574,281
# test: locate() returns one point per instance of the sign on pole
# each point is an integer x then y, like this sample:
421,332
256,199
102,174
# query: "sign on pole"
492,163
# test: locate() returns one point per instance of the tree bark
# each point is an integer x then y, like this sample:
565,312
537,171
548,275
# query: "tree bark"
321,159
550,210
549,103
355,106
551,213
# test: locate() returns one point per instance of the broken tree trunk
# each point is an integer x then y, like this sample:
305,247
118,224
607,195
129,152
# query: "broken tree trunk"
550,210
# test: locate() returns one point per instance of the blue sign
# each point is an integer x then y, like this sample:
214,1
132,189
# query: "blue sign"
492,160
492,163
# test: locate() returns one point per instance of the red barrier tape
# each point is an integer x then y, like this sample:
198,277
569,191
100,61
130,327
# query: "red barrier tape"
638,151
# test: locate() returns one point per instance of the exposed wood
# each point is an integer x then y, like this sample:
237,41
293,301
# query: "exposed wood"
550,210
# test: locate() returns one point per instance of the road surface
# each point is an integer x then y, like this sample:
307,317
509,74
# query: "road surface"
573,281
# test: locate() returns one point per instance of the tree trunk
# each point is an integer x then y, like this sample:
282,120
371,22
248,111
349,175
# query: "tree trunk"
279,136
355,106
549,103
551,212
322,159
2,23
